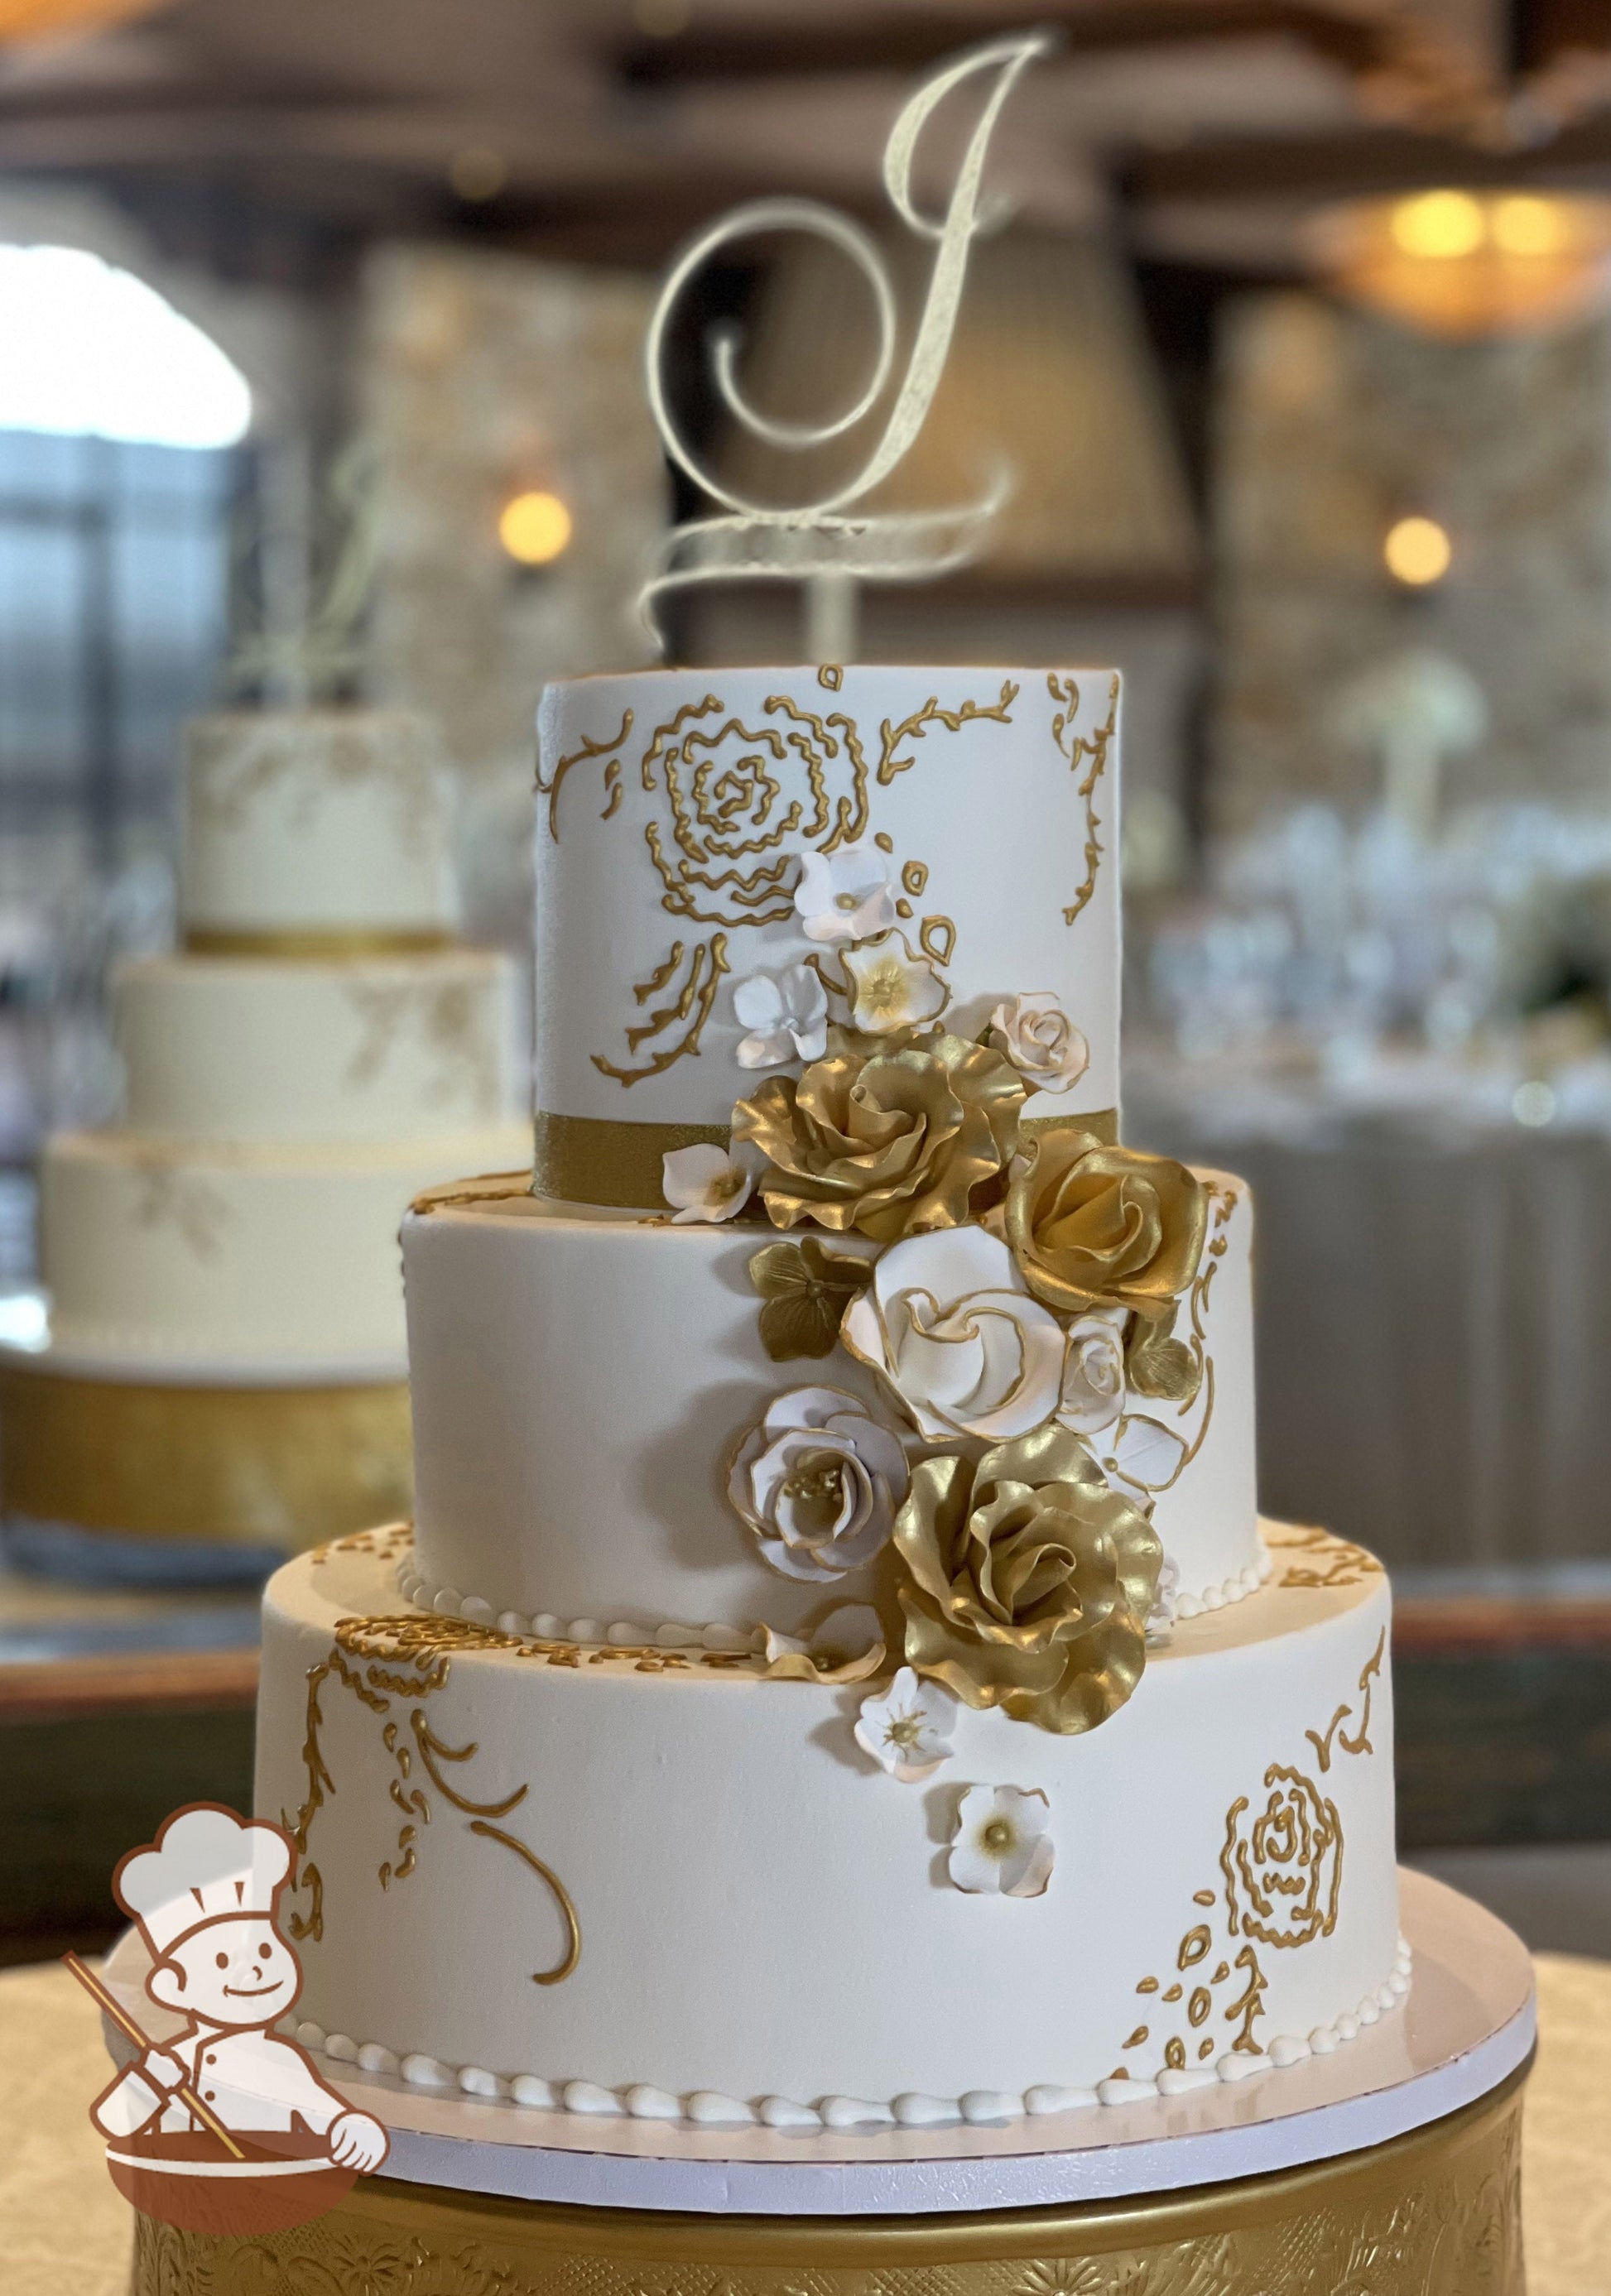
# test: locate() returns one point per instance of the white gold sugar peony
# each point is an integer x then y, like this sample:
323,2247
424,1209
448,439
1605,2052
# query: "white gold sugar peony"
818,1482
704,1182
907,1727
844,896
1001,1846
948,1322
786,1014
1041,1040
1093,1372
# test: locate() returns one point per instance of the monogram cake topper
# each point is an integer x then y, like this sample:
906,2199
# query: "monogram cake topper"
830,544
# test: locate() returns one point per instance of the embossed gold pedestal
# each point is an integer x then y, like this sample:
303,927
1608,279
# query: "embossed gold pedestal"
1388,2168
1436,2213
194,1466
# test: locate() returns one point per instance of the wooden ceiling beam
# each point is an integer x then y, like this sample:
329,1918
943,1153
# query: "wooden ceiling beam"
904,41
1354,165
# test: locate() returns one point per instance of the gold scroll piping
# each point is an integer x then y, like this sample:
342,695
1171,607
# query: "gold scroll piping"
285,1466
207,940
1356,1741
1082,751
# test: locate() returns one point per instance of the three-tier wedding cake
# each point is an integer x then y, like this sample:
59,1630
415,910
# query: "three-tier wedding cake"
836,1675
226,1359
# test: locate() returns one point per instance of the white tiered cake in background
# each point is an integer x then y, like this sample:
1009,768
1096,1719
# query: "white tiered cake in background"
226,1361
836,1675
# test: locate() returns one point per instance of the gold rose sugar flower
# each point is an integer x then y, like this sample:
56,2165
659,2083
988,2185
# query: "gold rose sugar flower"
1028,1581
886,1141
1094,1226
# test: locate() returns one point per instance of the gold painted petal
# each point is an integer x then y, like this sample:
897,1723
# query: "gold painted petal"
1093,1225
1029,1581
1158,1364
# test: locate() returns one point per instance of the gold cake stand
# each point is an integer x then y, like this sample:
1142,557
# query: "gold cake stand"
163,1471
1390,2169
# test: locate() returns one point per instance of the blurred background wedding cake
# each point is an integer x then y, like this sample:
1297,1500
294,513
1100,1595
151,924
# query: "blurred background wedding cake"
225,1363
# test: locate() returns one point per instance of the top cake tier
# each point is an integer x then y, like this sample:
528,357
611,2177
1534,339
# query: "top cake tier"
698,828
327,830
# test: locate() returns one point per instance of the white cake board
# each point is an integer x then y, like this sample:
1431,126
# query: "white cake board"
1468,2022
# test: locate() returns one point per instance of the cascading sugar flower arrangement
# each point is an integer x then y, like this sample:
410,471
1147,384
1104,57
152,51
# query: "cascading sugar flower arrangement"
1012,1291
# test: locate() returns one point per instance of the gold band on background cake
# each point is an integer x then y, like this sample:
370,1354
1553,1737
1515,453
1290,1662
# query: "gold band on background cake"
1432,2213
285,1466
605,1160
210,941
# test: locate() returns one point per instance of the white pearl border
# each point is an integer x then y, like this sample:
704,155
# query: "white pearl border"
705,2109
447,1602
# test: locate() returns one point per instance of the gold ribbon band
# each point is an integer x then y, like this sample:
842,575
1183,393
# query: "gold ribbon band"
205,941
604,1160
1102,1121
285,1466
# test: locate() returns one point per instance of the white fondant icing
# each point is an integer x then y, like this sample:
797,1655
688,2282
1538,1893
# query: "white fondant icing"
912,2111
607,921
373,2058
1047,2097
345,2051
234,1253
855,2112
588,2097
781,2113
539,1490
316,820
476,2082
647,2104
669,1987
706,2110
535,2095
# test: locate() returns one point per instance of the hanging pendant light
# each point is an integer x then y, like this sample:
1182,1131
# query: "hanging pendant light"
1466,264
46,19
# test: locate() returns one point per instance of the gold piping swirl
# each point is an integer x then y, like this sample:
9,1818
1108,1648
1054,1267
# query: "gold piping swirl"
573,1951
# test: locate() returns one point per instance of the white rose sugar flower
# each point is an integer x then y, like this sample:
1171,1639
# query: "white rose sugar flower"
1093,1372
704,1182
786,1014
818,1482
950,1323
1001,1846
906,1728
844,896
1041,1040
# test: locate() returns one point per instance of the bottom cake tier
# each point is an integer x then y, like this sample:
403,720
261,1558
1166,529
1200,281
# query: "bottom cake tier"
660,1882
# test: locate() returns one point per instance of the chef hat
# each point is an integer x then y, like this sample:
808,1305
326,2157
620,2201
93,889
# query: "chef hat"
205,1866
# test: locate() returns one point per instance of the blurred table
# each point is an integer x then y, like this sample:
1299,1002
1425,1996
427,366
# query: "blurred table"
1433,1290
63,2225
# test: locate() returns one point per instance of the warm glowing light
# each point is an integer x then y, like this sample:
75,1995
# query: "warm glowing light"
1469,264
1439,224
91,350
478,172
534,528
1523,223
1417,551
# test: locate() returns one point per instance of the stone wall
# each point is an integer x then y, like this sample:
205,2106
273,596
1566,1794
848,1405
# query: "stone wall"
1331,426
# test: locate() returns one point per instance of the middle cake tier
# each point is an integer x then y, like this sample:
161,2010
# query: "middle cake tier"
584,1383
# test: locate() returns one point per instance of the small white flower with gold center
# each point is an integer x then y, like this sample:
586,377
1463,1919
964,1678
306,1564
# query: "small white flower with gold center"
889,987
1001,1846
907,1728
786,1014
704,1182
844,896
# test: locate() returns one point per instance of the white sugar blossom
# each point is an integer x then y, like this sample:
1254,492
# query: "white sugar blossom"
847,1645
1140,1457
1093,1372
889,987
703,1183
1001,1846
907,1727
1160,1618
786,1014
818,1481
948,1322
844,896
1041,1040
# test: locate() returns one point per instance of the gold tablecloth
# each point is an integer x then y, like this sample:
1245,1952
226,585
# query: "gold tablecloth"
63,2227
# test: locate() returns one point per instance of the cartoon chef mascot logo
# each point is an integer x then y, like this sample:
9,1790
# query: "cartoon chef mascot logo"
227,2119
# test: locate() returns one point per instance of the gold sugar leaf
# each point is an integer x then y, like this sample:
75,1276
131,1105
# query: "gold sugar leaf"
1194,1948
